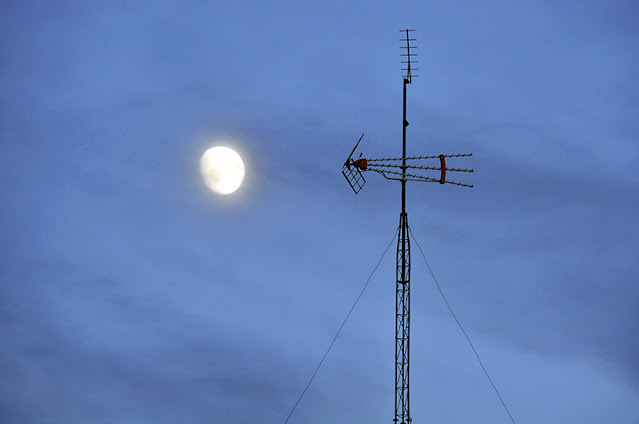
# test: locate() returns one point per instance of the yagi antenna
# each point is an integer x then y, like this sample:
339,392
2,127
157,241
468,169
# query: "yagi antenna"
394,168
408,55
432,169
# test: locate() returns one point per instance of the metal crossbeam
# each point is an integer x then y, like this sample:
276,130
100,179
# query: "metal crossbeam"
433,168
459,155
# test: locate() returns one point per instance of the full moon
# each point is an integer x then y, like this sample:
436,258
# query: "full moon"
222,169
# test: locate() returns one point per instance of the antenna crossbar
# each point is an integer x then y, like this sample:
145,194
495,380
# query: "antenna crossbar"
422,157
415,177
432,168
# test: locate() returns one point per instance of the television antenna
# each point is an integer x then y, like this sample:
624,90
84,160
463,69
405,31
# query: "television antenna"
403,169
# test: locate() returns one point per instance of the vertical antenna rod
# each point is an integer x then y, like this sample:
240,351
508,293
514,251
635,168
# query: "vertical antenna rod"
402,273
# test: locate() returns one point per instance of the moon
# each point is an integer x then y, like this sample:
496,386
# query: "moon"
222,169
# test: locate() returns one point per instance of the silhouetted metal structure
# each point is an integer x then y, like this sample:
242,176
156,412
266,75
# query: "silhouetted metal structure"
402,169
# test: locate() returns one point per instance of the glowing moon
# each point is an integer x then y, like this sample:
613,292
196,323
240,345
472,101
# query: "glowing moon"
222,169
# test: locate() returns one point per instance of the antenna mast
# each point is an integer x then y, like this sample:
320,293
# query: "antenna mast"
402,273
396,169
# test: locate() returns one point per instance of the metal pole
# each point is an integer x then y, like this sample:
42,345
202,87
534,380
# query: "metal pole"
402,299
404,125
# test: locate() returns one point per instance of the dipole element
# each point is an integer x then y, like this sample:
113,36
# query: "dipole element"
397,169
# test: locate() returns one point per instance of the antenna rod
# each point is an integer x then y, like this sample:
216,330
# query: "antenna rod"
402,287
404,125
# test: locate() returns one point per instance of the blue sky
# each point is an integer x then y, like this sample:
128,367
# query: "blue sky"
130,293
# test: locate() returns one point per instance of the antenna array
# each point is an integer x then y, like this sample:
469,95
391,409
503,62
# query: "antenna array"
408,55
403,169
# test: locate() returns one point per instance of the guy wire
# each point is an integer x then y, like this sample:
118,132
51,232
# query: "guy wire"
340,328
461,328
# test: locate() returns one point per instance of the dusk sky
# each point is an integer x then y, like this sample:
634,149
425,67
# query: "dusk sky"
131,293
